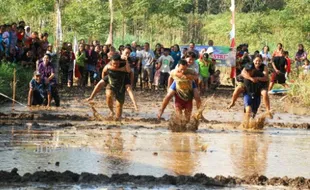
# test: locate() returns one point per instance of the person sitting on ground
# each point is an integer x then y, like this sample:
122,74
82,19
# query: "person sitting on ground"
262,80
182,89
252,93
27,59
279,65
39,91
118,78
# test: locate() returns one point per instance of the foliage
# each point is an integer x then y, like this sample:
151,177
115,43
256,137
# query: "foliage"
258,22
300,91
23,77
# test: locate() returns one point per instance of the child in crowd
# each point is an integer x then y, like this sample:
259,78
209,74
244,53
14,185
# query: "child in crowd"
306,68
204,67
288,66
164,63
216,80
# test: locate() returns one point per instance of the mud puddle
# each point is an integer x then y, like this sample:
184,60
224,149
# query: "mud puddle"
157,152
132,187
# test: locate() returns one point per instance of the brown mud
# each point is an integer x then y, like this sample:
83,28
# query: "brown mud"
71,120
52,177
83,125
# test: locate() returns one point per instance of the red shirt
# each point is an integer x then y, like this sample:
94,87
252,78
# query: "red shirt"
288,67
20,36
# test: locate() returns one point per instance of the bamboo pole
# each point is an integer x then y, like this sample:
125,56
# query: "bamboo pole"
14,88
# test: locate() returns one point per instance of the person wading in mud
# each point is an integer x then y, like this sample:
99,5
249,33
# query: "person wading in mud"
118,78
259,66
125,57
252,93
183,89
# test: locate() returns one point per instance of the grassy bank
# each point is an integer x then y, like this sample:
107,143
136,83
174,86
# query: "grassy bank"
23,76
300,91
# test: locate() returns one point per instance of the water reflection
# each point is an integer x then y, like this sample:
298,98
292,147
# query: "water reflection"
183,155
116,158
250,157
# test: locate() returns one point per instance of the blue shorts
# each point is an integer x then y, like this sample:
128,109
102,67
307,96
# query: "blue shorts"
253,102
174,86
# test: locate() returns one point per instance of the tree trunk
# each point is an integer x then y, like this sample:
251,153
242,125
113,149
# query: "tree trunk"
110,37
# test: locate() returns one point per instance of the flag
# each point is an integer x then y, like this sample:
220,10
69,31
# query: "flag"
233,41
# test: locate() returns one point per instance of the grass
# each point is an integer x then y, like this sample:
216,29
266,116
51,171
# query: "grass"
300,91
23,77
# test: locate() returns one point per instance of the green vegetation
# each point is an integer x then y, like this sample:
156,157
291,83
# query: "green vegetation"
23,76
258,22
300,91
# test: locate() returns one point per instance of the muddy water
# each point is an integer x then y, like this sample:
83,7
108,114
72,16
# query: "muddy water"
273,152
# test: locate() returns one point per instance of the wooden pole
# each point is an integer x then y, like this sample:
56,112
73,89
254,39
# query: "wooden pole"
14,88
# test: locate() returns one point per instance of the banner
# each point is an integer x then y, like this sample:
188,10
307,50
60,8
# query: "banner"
224,55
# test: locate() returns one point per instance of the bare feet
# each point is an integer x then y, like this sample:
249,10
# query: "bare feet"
160,113
136,107
89,99
231,105
111,114
269,114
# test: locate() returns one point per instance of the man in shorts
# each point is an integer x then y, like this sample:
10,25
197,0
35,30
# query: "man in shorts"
252,93
182,89
104,81
279,65
118,78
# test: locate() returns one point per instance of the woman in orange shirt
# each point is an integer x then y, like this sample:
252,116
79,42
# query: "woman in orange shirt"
278,51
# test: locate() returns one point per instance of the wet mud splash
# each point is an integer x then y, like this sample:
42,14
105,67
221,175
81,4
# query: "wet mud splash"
52,177
178,123
257,123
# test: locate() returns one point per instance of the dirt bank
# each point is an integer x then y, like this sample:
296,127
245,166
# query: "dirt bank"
51,177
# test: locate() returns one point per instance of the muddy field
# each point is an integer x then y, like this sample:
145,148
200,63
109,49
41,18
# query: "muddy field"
141,150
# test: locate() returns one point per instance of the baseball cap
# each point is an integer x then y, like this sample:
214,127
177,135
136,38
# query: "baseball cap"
205,56
210,50
37,73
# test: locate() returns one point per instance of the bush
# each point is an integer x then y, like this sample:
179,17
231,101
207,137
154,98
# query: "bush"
23,76
300,91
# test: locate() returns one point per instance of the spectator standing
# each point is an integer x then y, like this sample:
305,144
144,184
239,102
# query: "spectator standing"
176,55
300,56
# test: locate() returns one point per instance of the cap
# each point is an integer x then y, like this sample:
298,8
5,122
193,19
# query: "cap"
205,56
210,50
249,66
37,73
116,57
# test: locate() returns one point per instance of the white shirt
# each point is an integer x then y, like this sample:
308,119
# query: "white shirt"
165,61
147,58
265,57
